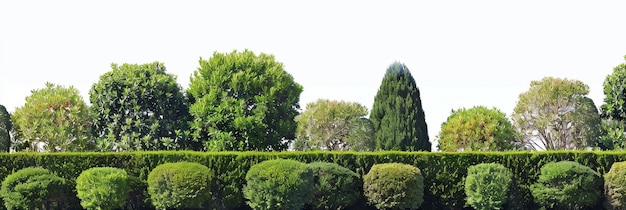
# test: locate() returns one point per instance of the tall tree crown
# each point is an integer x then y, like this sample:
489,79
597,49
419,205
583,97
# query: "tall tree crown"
397,114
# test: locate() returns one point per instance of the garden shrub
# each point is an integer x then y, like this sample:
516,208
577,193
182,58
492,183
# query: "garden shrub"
567,185
34,188
278,184
487,185
103,188
394,186
615,186
336,187
180,185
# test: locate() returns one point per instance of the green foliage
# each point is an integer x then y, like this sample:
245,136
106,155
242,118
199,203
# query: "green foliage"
615,187
477,129
613,111
334,125
336,187
243,101
5,128
278,184
567,185
33,188
614,106
397,114
53,119
103,188
394,186
487,186
557,114
139,107
180,185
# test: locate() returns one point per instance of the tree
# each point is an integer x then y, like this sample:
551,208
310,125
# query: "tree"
613,111
139,107
556,114
243,101
397,114
334,125
477,129
53,119
5,128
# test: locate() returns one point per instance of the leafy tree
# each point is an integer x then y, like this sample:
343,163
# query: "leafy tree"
334,125
5,127
613,111
139,107
53,119
243,101
477,128
556,114
397,114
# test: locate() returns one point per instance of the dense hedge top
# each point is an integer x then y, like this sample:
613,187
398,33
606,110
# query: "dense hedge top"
443,171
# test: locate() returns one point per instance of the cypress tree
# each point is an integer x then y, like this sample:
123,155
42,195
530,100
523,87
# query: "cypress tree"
5,127
397,113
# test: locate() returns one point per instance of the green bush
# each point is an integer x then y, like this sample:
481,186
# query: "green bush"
180,185
567,185
102,188
336,187
278,184
615,187
487,185
394,186
34,188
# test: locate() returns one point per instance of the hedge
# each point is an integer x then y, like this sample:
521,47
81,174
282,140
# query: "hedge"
443,171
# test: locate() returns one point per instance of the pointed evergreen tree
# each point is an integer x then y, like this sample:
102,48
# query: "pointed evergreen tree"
397,113
5,128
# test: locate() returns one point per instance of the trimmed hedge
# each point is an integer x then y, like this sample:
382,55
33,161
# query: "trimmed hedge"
443,172
394,186
615,187
102,188
336,187
567,185
180,185
278,184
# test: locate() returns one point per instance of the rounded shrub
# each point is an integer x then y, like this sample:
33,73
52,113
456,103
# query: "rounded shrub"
487,185
336,187
278,184
615,186
102,188
394,186
180,185
33,188
567,185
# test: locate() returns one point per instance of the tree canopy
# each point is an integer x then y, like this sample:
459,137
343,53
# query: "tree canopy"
334,125
139,107
477,129
613,111
397,114
53,119
556,114
243,101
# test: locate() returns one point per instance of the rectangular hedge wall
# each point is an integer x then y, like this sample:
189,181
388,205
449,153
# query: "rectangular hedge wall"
443,172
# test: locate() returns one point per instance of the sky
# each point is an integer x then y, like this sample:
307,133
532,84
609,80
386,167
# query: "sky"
460,53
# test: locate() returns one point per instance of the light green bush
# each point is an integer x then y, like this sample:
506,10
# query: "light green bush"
180,185
487,185
615,187
278,184
567,185
33,188
394,186
336,187
102,188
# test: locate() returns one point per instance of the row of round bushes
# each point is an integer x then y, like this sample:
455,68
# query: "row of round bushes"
289,184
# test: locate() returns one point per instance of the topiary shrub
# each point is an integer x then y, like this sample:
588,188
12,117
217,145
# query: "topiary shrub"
615,186
336,187
34,188
567,185
278,184
394,186
180,185
487,185
102,188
